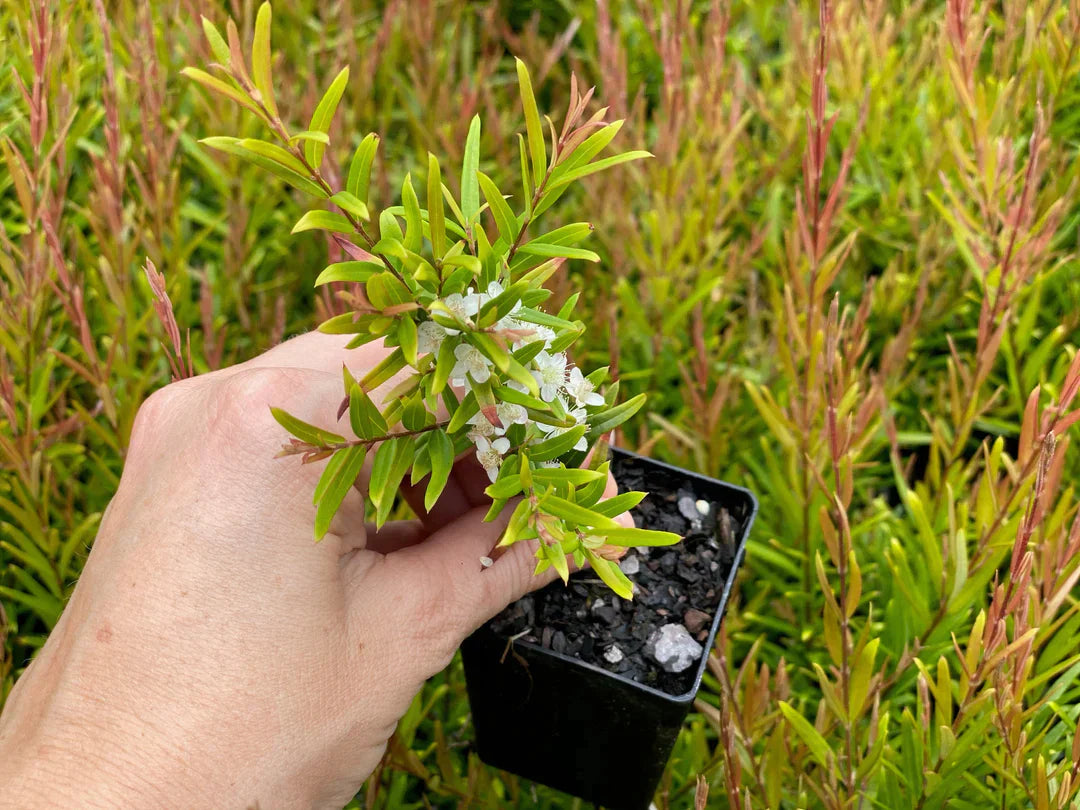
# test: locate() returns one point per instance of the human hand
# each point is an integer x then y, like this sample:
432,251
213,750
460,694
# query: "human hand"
211,654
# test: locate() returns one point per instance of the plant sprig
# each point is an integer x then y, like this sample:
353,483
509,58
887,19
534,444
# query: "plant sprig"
464,312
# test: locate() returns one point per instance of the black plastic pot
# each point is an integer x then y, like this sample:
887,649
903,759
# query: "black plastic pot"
577,727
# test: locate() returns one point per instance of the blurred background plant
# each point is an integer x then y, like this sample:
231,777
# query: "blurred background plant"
848,281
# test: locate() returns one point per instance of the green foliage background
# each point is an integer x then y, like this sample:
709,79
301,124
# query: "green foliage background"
905,629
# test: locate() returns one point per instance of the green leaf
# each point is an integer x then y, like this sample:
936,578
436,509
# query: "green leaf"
392,461
414,232
337,478
351,203
324,220
294,178
309,135
533,127
275,153
636,537
526,188
360,168
323,116
366,420
597,166
814,741
444,364
436,215
557,251
305,432
470,189
556,476
504,217
615,506
407,338
260,58
604,421
348,271
557,557
556,446
385,290
441,450
466,411
387,368
611,574
222,88
574,513
589,148
217,43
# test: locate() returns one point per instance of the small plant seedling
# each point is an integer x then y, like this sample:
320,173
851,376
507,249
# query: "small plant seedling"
463,312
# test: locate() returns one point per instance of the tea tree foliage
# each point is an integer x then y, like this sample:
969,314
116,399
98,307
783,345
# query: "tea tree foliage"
486,366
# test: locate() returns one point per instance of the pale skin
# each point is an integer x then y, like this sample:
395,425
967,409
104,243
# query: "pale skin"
212,655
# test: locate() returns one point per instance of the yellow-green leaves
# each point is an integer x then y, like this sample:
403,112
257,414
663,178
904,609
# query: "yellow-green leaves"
533,127
819,748
347,201
271,158
414,231
261,57
218,46
323,116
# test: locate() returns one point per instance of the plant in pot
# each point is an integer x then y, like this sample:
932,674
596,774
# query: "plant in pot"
455,289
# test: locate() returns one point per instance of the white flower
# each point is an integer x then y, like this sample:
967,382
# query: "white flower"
579,416
583,391
472,362
481,428
429,336
538,333
510,414
550,374
489,454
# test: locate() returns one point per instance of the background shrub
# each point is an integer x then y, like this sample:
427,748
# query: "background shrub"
848,281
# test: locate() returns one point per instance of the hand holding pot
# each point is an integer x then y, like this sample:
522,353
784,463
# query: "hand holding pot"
212,655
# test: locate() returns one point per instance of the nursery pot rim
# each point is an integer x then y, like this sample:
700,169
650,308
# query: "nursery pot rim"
721,606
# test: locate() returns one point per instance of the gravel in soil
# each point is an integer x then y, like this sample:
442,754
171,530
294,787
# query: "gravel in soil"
677,584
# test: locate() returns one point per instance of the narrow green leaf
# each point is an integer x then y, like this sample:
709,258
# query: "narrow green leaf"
441,450
260,58
636,537
360,168
444,364
323,116
407,338
338,477
604,421
558,251
414,231
290,176
576,514
217,43
504,217
615,506
597,166
810,735
324,220
533,127
309,135
366,420
611,574
348,271
436,215
470,189
351,203
526,188
222,88
551,449
305,432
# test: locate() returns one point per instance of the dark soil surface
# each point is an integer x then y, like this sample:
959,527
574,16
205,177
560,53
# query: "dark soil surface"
676,584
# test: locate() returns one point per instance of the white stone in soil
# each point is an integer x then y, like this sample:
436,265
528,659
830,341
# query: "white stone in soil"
673,648
599,603
703,507
613,654
630,564
688,508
